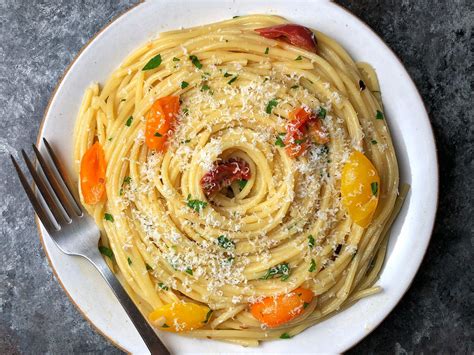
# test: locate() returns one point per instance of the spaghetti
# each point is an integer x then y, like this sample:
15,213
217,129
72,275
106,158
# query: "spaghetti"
250,178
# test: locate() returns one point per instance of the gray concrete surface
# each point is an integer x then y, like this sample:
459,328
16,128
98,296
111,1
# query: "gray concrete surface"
433,39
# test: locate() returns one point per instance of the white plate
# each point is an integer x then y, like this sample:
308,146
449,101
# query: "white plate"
406,116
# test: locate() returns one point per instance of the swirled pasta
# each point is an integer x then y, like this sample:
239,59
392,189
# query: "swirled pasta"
287,226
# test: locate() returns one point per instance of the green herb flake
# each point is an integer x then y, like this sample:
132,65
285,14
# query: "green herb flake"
208,316
300,141
235,16
242,184
186,141
176,59
185,111
285,336
295,87
127,180
271,105
184,84
110,139
373,141
279,142
163,286
109,217
305,304
195,61
196,205
267,50
129,121
205,87
226,75
158,134
282,271
232,80
165,326
225,242
129,261
374,187
379,115
148,267
299,58
310,241
189,271
312,266
107,252
322,112
153,63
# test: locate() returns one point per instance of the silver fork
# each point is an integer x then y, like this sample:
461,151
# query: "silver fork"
74,232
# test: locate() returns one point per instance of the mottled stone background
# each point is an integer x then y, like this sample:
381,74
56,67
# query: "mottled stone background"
433,39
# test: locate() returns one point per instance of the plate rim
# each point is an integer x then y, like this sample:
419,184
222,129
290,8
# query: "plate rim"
360,22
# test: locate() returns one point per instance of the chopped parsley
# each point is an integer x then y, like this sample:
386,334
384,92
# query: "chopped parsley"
185,111
208,316
195,61
310,241
235,16
129,121
305,304
374,187
225,242
300,141
109,217
282,271
285,336
373,141
295,87
267,50
107,252
242,184
232,80
226,75
163,286
271,105
299,58
165,326
361,85
127,180
189,271
153,63
322,112
129,261
279,142
312,266
184,84
158,134
176,59
186,141
196,205
379,115
148,267
205,87
110,139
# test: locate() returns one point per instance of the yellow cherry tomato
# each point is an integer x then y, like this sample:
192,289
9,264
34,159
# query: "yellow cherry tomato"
360,188
180,316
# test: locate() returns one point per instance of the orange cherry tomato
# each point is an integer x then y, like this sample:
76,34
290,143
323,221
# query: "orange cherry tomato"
160,121
304,127
360,188
180,316
274,311
92,174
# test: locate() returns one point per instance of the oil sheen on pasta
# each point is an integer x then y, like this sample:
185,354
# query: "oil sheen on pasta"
284,228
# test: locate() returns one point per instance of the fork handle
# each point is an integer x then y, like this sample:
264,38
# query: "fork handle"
147,333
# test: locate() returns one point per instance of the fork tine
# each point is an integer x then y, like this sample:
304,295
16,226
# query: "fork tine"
40,211
62,173
45,192
53,182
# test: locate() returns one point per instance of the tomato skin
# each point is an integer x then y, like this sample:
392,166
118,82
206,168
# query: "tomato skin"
304,127
296,35
179,316
160,122
275,311
92,175
224,174
359,181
